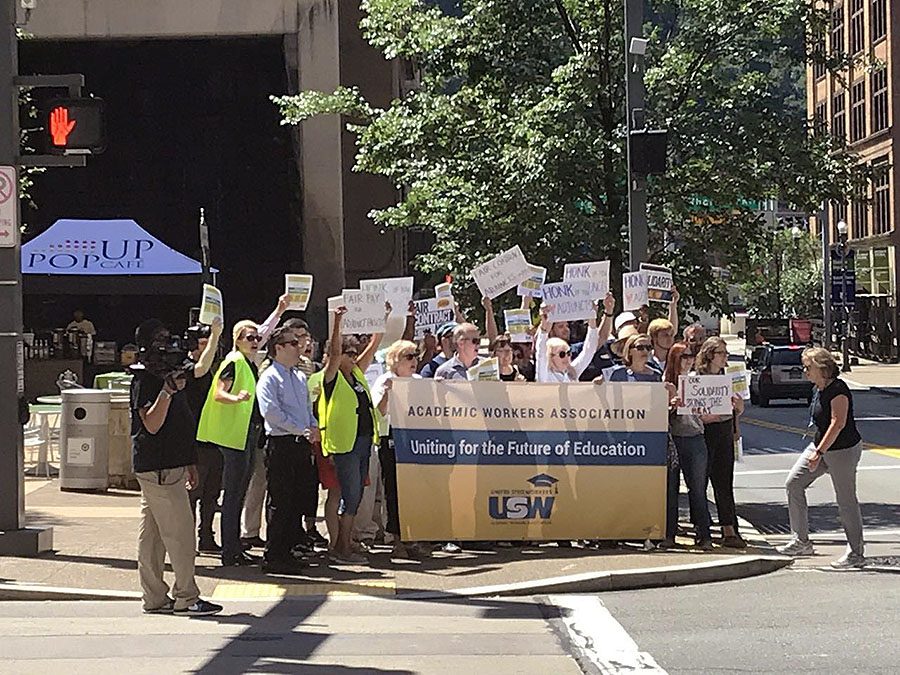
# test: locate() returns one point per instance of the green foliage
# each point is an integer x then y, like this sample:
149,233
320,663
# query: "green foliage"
515,134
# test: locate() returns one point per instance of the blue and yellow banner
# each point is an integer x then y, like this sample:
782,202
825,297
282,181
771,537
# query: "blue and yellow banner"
505,461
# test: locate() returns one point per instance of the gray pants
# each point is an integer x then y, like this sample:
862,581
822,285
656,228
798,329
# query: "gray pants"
841,465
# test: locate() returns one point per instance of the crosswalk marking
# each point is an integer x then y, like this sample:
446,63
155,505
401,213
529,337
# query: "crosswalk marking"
879,449
227,590
767,472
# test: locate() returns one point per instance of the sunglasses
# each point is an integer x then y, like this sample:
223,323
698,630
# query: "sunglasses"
642,348
473,340
351,352
564,355
292,343
252,338
686,356
409,357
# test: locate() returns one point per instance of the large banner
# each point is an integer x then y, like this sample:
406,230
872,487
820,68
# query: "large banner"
503,461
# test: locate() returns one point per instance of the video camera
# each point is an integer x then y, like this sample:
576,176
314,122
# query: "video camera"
166,357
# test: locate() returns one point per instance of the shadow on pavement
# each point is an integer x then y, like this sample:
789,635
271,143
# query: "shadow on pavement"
773,516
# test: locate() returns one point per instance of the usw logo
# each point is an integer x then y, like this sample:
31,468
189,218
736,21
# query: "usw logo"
520,508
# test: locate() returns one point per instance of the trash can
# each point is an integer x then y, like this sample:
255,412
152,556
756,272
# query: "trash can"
121,474
84,439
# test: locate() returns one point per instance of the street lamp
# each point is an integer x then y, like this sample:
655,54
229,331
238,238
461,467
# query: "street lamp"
845,332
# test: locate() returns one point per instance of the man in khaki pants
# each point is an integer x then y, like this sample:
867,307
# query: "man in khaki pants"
162,434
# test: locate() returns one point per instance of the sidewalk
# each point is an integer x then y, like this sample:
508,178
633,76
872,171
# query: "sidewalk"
95,537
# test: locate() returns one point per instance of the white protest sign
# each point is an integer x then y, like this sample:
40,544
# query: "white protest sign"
518,323
595,272
443,293
298,287
705,394
333,303
740,381
659,282
531,287
570,300
486,370
211,305
634,291
397,290
429,316
502,272
365,312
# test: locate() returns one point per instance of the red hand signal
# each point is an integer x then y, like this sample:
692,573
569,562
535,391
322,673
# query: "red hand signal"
60,125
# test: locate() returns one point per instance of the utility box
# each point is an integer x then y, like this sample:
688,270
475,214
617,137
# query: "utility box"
84,439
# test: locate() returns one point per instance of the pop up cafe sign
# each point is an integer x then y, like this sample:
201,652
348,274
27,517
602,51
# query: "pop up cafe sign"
705,394
502,272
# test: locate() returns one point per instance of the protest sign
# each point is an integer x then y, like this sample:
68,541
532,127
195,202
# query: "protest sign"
518,323
740,381
397,290
443,293
531,287
486,370
570,300
333,303
595,272
705,395
211,305
496,461
659,282
634,291
365,311
502,272
429,317
298,287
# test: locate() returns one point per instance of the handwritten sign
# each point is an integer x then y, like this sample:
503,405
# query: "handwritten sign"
298,287
211,305
659,282
531,287
705,394
518,323
429,316
634,291
570,300
595,272
502,272
397,290
486,370
443,293
365,312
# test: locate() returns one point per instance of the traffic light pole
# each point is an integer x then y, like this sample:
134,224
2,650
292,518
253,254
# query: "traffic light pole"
15,538
635,92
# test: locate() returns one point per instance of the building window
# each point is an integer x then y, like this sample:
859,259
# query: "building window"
858,111
859,223
881,199
839,117
820,119
819,56
837,31
878,19
857,26
878,85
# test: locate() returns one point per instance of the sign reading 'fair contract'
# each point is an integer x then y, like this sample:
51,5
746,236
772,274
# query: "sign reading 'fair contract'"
365,312
570,300
499,274
429,316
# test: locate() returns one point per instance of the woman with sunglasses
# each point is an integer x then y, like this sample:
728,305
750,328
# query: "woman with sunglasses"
636,359
401,362
687,434
231,420
553,356
502,349
719,432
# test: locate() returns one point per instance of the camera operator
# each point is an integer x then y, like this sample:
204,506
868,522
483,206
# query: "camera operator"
202,343
162,433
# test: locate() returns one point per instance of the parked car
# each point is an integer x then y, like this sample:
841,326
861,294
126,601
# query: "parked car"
777,372
762,331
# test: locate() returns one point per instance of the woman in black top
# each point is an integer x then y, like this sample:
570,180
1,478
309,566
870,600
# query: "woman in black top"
836,450
501,349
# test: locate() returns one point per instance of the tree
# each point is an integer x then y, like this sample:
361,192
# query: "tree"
516,132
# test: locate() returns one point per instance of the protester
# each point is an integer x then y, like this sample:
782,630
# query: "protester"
444,336
231,419
401,362
523,359
687,434
466,340
502,349
695,336
553,358
326,471
719,432
204,342
349,426
290,463
662,336
836,450
636,362
164,454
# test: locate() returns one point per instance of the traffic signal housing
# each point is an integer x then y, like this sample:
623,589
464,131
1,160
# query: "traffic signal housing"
74,126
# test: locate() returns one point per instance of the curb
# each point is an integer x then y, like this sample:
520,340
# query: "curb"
738,567
890,391
14,591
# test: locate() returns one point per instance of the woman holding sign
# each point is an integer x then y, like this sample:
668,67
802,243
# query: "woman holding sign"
719,431
553,357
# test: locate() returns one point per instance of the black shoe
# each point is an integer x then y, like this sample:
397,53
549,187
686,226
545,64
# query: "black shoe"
241,560
209,547
304,547
316,538
166,608
284,567
199,608
252,542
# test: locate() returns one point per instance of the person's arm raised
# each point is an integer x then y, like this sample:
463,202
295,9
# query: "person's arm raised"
609,308
673,309
409,331
204,363
334,346
267,327
541,358
364,360
490,321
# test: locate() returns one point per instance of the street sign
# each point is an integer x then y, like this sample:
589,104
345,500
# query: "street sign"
9,212
75,125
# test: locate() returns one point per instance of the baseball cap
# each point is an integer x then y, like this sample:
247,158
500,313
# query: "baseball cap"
445,329
622,319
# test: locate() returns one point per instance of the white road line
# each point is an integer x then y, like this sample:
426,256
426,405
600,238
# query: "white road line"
600,638
877,419
765,472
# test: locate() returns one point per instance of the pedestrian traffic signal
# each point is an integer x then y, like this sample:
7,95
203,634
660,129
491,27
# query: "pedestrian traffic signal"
75,125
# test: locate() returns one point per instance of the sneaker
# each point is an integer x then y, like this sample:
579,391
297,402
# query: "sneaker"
253,542
734,541
316,538
705,545
451,547
241,560
795,547
349,559
849,561
199,608
167,608
666,544
293,566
